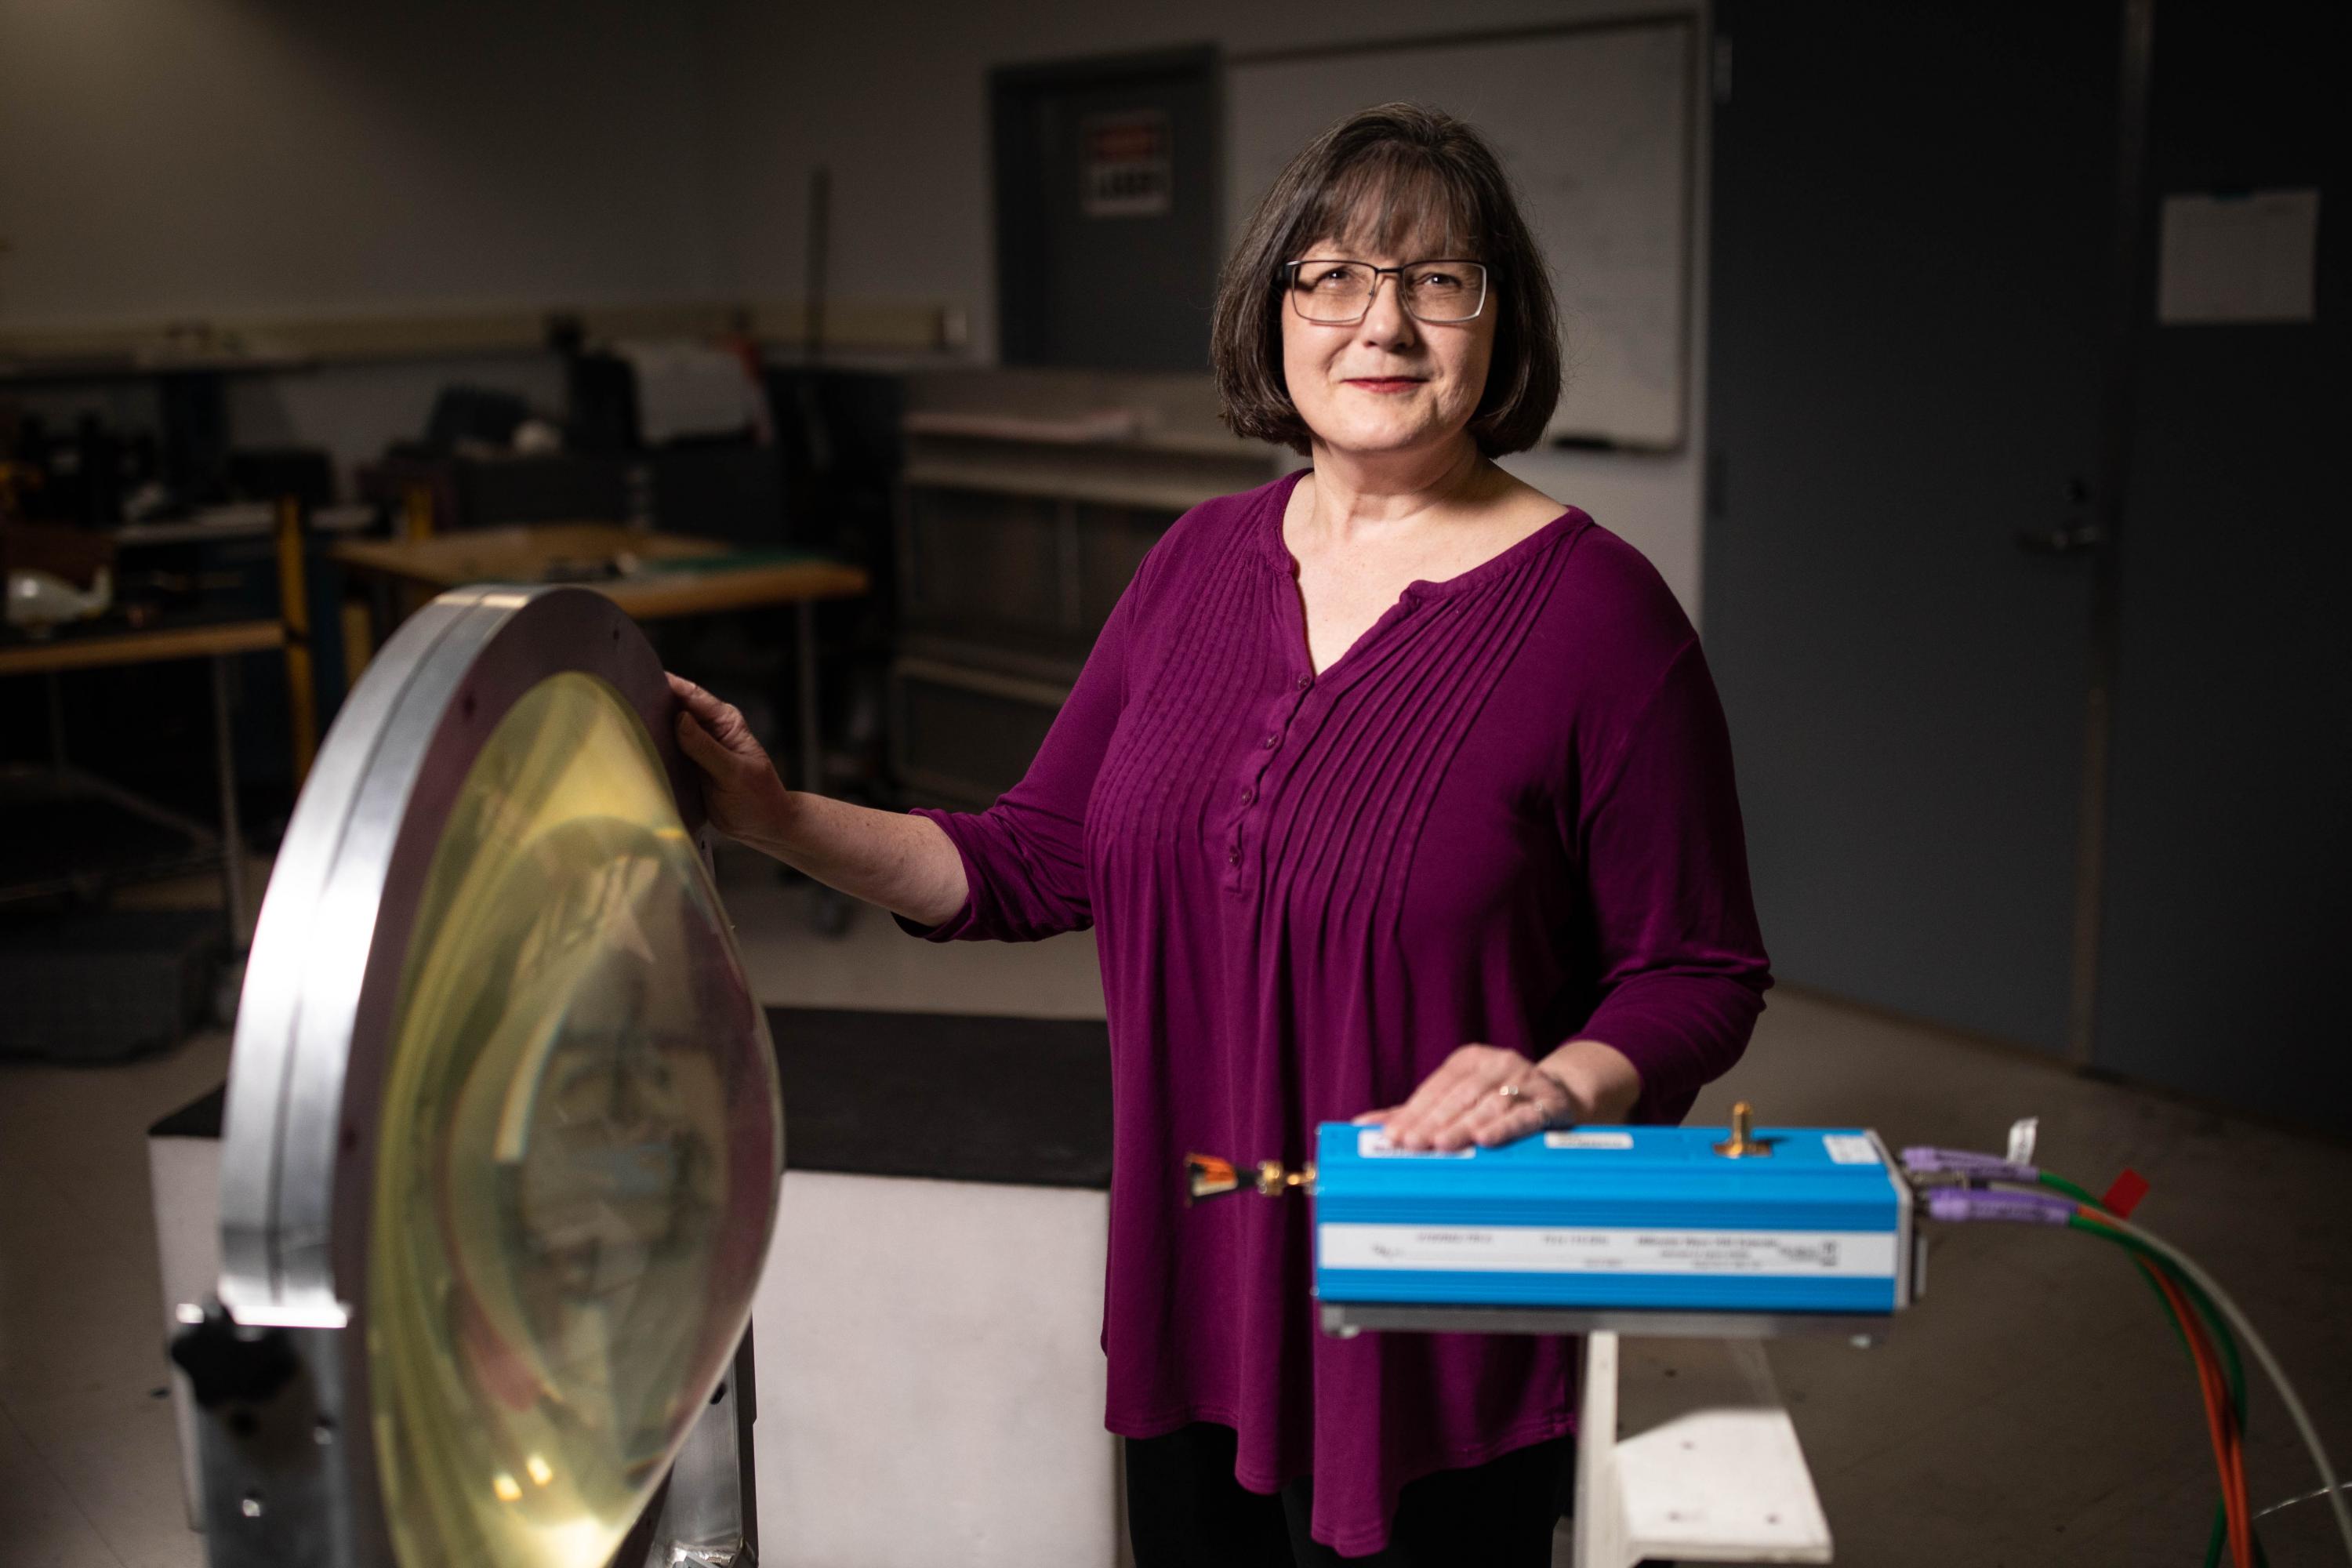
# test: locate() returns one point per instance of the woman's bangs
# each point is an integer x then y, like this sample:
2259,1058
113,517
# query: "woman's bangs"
1402,208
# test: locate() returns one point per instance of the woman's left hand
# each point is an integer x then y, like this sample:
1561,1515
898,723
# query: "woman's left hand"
1483,1095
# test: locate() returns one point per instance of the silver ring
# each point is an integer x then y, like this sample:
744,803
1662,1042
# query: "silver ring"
1509,1090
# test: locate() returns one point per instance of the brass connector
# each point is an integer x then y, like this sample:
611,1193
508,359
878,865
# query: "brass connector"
1207,1176
1743,1143
1273,1180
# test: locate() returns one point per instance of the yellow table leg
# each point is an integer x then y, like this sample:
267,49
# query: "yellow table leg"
294,611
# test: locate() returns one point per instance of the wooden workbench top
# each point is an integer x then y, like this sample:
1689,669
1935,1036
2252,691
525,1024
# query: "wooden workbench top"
662,574
89,650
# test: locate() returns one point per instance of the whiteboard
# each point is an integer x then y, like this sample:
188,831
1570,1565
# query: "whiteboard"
1593,128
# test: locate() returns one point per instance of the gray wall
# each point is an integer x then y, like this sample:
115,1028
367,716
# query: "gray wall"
167,159
186,160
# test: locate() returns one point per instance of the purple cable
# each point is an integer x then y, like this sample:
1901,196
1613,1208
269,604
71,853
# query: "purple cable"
1959,1203
1967,1163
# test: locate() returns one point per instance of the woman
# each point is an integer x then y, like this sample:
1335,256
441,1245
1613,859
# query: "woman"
1396,790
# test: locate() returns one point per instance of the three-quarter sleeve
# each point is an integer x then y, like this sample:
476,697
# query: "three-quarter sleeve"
1682,965
1025,858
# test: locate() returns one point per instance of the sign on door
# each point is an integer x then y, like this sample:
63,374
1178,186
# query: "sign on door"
1126,164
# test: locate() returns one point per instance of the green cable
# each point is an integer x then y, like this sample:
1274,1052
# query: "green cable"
2061,1183
2217,1325
2217,1322
2146,1258
2218,1537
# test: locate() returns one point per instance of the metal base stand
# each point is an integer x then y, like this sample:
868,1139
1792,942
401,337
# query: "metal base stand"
1684,1452
710,1515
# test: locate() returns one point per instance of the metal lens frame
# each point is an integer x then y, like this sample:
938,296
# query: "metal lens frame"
1290,287
291,1463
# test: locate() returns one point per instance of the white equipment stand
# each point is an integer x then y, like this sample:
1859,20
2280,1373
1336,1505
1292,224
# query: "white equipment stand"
1685,1454
1683,1450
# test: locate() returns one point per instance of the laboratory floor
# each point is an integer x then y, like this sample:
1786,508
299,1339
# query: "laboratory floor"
2032,1410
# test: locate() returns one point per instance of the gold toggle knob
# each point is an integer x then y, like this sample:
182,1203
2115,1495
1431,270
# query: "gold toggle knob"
1743,1143
1207,1176
1273,1180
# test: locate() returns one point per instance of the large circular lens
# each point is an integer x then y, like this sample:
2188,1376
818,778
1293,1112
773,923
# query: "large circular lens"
576,1175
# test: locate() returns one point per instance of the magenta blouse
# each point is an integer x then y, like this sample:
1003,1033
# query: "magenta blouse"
1505,815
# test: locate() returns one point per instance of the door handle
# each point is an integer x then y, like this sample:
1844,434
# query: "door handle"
2060,540
2068,541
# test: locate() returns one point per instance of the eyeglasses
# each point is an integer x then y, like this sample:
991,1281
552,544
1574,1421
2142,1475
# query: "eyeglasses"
1340,293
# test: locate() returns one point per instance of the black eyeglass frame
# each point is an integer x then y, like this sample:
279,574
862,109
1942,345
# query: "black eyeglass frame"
1288,280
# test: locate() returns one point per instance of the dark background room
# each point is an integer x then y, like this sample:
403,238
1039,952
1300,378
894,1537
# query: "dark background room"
1967,376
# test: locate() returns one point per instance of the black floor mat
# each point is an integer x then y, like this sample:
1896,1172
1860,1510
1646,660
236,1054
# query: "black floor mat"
1019,1102
104,984
956,1099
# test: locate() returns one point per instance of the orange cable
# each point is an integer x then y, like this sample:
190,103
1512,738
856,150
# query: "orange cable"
2229,1450
2221,1428
2228,1456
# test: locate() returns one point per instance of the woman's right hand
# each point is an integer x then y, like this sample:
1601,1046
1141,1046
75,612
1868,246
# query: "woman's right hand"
904,863
740,790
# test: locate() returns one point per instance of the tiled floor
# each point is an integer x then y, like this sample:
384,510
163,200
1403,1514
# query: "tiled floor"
2032,1410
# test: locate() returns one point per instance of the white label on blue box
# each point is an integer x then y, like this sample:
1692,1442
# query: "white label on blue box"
1542,1250
1587,1140
1372,1143
1849,1149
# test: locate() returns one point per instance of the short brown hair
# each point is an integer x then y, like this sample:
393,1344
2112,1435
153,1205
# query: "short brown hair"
1397,177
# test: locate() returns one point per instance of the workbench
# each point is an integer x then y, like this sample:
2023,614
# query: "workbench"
650,575
219,641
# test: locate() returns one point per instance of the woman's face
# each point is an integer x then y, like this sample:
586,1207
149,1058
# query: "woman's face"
1387,383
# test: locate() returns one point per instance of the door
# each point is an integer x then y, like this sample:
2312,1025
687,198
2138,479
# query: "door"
1108,206
1911,233
2229,894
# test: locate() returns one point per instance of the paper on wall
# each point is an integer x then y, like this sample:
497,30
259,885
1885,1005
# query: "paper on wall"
2246,258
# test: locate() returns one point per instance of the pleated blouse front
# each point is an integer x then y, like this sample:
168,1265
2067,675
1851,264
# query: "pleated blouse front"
1505,815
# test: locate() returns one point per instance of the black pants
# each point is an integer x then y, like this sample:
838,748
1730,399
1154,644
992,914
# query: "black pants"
1184,1510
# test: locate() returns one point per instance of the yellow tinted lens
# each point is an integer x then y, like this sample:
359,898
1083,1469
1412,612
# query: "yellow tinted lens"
580,1140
